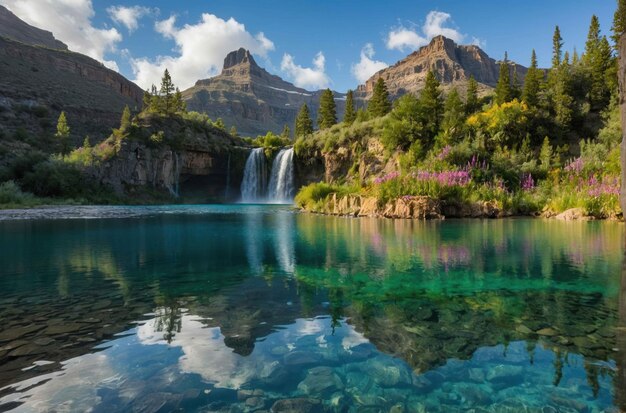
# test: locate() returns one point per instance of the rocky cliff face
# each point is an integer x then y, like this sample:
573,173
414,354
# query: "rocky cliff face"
204,165
453,64
248,97
39,78
14,28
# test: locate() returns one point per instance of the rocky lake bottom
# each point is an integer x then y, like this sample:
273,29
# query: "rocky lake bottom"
259,308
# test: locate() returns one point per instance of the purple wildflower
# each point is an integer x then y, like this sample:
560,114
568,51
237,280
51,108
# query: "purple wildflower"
528,182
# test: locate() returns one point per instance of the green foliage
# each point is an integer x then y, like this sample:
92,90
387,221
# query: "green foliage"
286,133
219,123
379,104
619,21
304,124
350,114
472,104
431,104
557,48
453,123
63,133
313,195
233,131
167,100
504,92
11,194
532,83
125,122
327,114
505,124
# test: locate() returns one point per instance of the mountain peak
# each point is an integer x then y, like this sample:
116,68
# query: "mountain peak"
14,28
238,57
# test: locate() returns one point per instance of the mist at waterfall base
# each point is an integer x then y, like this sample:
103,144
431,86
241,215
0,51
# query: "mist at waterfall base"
255,187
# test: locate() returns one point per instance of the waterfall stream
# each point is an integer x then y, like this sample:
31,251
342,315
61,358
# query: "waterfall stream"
254,187
281,181
254,184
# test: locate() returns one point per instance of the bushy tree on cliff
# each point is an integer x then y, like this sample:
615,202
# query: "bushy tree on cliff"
63,134
379,104
350,113
304,124
286,134
167,100
125,122
327,114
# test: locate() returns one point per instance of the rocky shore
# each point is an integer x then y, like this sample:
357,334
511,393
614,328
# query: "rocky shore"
427,208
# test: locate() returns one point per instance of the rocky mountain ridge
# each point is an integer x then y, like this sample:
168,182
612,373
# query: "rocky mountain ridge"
452,63
248,97
14,28
40,77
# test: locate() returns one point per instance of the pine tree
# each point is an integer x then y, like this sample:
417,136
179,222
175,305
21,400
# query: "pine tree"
471,100
598,60
516,91
350,113
504,92
327,114
167,92
63,134
126,119
233,131
431,105
304,124
557,48
379,104
219,123
453,117
286,134
178,105
619,22
147,100
545,155
532,83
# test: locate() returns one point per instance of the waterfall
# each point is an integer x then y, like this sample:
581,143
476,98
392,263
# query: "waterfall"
254,184
281,181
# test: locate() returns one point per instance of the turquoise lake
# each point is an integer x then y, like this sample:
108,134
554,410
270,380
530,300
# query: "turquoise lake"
259,308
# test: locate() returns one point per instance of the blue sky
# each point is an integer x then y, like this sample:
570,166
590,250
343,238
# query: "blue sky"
335,43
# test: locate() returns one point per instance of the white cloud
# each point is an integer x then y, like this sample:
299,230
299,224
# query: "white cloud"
201,49
70,21
129,16
367,66
307,77
402,38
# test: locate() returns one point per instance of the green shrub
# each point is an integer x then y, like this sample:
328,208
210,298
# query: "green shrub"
12,194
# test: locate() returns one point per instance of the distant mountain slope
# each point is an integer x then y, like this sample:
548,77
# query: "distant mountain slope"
453,64
248,97
14,28
38,82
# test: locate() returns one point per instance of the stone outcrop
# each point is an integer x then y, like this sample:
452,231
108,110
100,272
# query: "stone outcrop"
422,207
409,207
13,28
203,165
246,96
453,64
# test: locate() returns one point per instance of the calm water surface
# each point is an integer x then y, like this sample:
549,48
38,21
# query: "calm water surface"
256,308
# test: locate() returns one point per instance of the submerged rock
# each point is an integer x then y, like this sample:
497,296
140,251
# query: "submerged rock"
298,405
319,381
